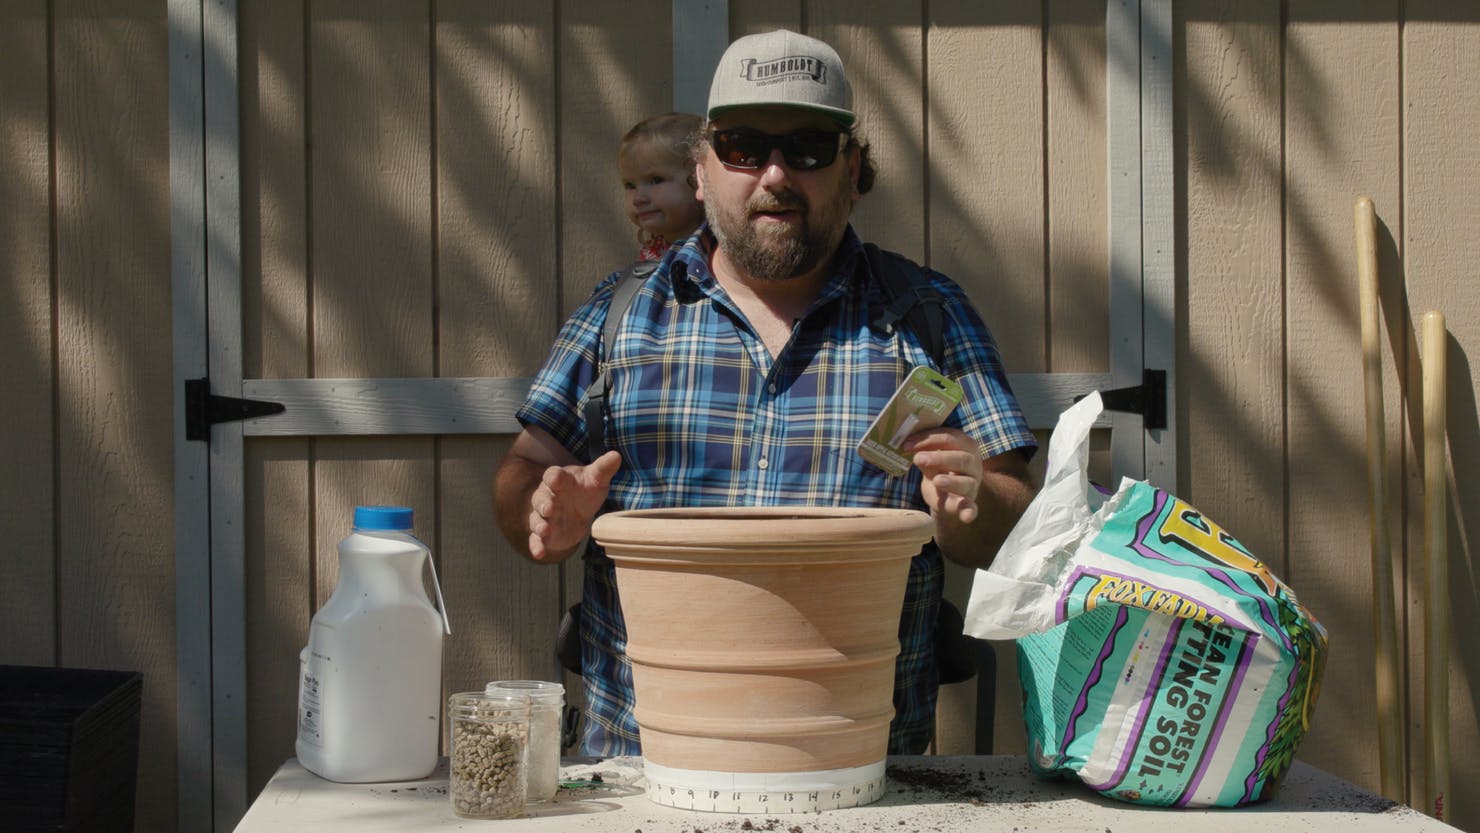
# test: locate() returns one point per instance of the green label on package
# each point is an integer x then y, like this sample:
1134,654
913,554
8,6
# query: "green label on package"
923,400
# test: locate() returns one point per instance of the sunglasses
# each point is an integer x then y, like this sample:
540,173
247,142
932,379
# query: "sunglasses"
748,149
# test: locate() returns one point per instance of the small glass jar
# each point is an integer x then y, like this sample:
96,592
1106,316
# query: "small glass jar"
488,735
546,706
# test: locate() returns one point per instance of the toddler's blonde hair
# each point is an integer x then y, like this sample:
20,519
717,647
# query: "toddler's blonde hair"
676,134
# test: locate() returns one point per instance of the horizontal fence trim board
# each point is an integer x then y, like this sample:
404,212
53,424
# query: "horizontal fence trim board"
350,407
1043,396
478,405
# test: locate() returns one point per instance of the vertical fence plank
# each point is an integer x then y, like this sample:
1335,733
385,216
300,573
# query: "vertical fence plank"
882,48
371,169
1078,283
986,166
27,576
371,251
1341,112
1231,370
1441,176
279,586
371,246
615,65
114,492
277,494
498,294
1077,200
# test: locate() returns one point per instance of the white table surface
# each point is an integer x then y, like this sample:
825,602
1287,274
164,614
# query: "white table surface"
925,793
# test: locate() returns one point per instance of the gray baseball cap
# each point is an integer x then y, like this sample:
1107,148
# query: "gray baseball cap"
782,68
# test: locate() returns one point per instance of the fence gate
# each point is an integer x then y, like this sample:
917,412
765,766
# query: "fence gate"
217,408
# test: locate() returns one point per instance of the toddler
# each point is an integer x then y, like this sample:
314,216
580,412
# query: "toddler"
657,172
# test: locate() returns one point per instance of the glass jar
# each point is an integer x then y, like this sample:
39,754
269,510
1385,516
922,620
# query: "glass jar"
546,706
488,735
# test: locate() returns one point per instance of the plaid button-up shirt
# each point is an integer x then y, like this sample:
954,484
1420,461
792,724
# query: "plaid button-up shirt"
703,415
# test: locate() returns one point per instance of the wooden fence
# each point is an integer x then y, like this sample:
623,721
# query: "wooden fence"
429,187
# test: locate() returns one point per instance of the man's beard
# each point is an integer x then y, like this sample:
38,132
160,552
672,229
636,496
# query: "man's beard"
779,252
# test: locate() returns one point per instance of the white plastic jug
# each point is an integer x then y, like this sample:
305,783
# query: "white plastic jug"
370,679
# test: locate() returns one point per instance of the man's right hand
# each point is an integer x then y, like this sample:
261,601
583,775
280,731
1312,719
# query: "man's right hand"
545,499
564,505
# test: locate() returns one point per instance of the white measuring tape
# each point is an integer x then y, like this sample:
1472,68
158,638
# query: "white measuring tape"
765,792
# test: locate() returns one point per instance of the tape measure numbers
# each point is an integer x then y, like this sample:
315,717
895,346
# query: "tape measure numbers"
765,792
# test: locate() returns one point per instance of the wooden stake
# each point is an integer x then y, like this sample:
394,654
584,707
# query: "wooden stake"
1384,618
1436,551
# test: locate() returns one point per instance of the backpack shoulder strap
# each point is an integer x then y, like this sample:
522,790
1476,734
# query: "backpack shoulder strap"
594,412
910,298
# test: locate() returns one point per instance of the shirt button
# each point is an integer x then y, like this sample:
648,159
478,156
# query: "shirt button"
763,463
771,387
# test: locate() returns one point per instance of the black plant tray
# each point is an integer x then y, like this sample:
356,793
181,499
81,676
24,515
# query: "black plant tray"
69,748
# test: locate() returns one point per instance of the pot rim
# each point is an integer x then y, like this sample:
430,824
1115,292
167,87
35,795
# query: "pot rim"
764,527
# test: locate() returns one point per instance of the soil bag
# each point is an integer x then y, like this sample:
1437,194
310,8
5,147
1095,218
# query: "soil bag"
1161,662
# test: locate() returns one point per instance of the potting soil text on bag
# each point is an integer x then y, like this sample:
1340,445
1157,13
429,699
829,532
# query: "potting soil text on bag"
1161,662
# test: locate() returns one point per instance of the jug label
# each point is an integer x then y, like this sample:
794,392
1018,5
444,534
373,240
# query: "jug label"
310,709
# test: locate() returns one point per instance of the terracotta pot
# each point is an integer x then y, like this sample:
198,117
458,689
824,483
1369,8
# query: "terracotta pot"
763,639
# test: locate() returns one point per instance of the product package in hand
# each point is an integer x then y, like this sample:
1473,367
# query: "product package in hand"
1161,662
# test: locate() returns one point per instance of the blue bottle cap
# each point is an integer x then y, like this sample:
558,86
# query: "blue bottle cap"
394,518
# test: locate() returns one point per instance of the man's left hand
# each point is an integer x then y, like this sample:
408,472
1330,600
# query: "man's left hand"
975,502
952,466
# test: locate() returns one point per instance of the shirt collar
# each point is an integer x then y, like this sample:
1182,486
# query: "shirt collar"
694,254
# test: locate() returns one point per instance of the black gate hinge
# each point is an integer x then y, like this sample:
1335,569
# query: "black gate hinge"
1149,399
204,409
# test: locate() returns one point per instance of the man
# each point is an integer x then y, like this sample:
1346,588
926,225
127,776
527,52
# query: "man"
746,370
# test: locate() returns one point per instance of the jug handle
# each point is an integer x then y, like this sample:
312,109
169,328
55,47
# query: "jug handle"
436,586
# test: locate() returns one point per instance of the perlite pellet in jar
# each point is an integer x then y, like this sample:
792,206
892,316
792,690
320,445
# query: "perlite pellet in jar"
488,740
546,706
